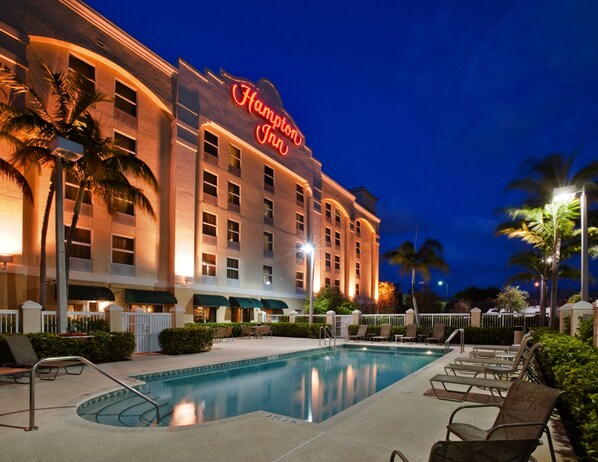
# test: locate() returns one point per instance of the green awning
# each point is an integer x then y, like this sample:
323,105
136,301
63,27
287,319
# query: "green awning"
90,293
256,303
273,304
241,302
149,297
210,300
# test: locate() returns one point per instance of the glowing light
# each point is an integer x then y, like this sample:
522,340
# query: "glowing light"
183,414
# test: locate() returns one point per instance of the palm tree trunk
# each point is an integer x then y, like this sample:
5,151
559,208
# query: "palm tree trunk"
554,290
43,291
415,312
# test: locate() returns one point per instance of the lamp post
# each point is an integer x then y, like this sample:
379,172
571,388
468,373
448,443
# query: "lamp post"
309,249
70,151
440,283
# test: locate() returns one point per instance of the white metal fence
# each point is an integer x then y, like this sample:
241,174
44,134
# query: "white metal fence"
146,327
77,320
379,319
9,321
512,320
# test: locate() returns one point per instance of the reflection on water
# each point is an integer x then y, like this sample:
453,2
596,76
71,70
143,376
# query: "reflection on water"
311,388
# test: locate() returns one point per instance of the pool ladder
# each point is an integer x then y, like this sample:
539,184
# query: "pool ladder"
47,361
462,340
326,335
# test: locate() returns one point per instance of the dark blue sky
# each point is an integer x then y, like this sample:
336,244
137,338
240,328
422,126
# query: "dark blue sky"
432,105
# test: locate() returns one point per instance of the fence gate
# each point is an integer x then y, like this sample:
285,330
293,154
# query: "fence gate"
342,323
146,327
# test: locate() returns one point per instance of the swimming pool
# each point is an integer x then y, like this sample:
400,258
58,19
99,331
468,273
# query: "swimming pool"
311,386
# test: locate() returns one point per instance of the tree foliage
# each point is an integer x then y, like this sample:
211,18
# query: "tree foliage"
512,299
331,298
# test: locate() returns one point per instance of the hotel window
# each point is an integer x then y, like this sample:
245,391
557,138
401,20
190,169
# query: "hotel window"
125,143
358,269
300,195
328,260
234,157
327,283
300,223
337,283
125,99
328,238
85,70
208,224
208,264
122,205
123,250
328,212
232,231
337,217
232,268
357,290
210,184
299,253
337,263
358,228
268,210
358,248
234,194
81,245
299,280
210,144
267,270
268,178
337,239
268,242
71,188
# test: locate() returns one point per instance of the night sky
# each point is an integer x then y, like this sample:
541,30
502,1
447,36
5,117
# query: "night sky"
431,105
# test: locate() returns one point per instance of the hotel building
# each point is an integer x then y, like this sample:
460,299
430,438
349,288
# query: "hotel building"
240,191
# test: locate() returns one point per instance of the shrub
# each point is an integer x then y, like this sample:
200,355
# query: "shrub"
297,329
192,338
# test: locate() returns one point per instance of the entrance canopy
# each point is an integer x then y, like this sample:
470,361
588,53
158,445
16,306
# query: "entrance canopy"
273,304
210,300
149,297
242,302
90,293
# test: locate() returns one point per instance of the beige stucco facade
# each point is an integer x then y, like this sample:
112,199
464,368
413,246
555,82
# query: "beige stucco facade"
239,189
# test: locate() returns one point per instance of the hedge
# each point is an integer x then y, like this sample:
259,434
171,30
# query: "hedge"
192,338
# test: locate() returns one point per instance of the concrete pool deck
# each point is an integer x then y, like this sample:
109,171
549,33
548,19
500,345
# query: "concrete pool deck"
398,417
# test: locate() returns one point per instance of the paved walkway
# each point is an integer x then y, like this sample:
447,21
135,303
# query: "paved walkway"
398,417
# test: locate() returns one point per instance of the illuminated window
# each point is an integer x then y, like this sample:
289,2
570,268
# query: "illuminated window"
210,184
299,253
327,283
299,280
268,242
210,144
208,264
232,268
268,178
337,263
85,70
234,194
71,188
81,244
232,231
328,260
234,157
208,224
328,212
300,195
358,248
268,209
125,99
328,238
357,290
300,223
267,270
358,228
125,143
337,217
358,269
123,250
121,205
337,239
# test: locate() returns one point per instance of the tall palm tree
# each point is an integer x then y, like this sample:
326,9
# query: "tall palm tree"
427,258
11,173
66,113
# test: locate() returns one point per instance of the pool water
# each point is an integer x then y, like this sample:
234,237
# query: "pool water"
313,387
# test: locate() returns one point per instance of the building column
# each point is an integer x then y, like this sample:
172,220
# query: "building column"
114,317
31,317
476,317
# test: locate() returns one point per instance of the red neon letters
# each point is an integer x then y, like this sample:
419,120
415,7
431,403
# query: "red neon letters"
244,95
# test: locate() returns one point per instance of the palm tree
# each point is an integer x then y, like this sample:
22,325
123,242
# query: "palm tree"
422,261
11,173
66,113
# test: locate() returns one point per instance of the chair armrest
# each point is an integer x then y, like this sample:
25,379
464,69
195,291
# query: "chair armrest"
470,406
512,425
396,452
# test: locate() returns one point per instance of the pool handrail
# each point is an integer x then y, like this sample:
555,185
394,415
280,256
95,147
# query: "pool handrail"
84,361
328,334
462,341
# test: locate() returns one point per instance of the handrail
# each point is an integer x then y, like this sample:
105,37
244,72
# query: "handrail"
84,361
328,334
446,344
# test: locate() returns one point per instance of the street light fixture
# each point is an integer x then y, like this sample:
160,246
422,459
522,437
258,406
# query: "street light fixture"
68,150
309,249
440,283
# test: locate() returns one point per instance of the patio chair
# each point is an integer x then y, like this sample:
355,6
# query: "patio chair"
266,331
384,333
485,352
229,334
25,357
219,333
478,451
361,333
246,331
498,358
437,334
410,333
523,414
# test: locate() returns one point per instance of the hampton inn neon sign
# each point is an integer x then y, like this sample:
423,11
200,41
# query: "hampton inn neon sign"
276,129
